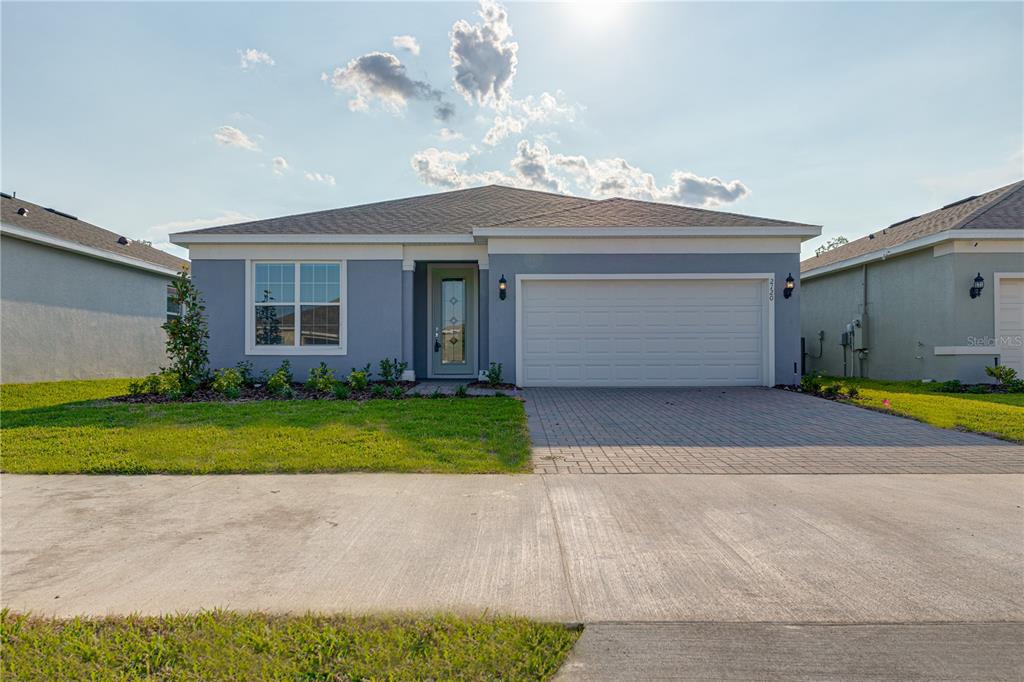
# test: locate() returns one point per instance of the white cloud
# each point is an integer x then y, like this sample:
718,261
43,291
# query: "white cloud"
483,58
449,135
536,167
158,234
324,178
252,57
407,43
233,137
381,76
280,165
516,115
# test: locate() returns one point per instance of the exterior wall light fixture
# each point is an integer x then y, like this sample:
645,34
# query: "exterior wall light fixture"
979,284
502,288
790,285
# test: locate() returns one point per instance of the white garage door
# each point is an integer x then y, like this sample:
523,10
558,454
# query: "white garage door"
643,332
1010,322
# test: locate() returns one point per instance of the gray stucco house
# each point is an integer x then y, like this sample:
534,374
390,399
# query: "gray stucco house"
562,291
938,296
77,301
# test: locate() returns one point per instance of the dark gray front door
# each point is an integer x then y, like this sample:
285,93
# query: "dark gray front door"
453,320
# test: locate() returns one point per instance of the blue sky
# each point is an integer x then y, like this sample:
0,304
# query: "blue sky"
145,118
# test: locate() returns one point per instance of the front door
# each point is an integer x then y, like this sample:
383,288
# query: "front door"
453,306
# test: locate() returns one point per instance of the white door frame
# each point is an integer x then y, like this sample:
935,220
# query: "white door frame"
768,353
474,269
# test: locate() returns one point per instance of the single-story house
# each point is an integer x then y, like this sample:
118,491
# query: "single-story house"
560,290
78,301
938,296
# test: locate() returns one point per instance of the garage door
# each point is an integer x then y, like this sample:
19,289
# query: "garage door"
1010,322
643,332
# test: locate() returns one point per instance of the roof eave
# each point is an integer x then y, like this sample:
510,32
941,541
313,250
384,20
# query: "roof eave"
30,235
805,232
188,238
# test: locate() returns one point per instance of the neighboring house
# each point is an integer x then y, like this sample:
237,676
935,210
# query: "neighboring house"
562,291
77,301
908,295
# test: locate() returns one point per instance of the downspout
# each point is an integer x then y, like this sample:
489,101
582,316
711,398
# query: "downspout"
863,317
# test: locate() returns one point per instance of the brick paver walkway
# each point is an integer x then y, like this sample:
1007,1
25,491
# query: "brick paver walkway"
742,430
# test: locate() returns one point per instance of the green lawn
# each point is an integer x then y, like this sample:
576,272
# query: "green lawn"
222,645
997,414
67,427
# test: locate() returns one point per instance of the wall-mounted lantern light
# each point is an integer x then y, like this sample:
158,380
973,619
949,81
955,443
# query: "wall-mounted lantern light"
790,285
979,284
502,288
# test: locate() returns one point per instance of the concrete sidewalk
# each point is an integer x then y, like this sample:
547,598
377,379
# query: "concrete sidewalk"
808,549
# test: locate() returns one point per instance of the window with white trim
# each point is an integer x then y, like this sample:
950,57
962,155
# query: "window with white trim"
297,305
173,307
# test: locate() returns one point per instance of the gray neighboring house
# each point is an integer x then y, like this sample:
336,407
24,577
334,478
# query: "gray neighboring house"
908,294
562,291
77,301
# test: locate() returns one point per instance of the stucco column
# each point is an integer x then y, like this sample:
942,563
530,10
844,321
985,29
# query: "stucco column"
484,319
407,326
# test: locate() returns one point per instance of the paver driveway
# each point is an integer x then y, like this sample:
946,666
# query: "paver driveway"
742,431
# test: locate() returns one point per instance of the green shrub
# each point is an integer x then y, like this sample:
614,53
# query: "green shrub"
280,382
811,383
832,390
461,391
247,372
1007,378
358,380
228,382
378,390
321,378
853,393
138,386
341,390
187,335
493,374
978,389
391,370
953,386
397,391
437,393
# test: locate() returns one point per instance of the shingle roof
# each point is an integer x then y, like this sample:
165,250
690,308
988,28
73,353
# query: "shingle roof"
459,211
69,228
1000,209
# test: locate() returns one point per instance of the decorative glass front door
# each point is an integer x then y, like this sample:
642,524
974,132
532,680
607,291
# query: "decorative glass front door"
453,321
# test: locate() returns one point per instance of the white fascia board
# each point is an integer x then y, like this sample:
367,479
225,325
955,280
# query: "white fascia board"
807,232
75,247
185,238
923,242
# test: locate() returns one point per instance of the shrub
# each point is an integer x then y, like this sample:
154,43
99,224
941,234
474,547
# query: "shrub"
228,382
321,378
978,389
247,372
853,393
832,390
391,370
165,383
493,374
397,392
280,382
138,386
378,390
187,335
437,393
811,383
461,391
953,386
341,390
358,380
1007,378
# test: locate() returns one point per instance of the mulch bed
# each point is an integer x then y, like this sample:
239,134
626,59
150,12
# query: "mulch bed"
260,392
497,387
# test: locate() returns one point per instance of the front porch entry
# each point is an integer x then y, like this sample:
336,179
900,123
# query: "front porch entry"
452,320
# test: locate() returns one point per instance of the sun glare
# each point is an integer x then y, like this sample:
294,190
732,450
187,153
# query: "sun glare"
597,14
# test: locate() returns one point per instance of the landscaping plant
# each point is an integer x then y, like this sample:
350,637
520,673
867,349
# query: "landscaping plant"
493,374
187,335
461,391
358,380
811,383
247,372
321,378
378,390
280,382
391,371
228,382
341,390
1007,378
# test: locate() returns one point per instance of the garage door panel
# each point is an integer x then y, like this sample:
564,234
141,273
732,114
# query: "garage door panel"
643,332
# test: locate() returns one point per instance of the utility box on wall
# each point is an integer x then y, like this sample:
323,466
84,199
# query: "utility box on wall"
860,335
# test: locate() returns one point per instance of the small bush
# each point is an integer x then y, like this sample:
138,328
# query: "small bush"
461,391
280,382
832,390
853,393
187,334
341,390
493,374
247,372
1007,378
358,380
321,378
397,391
978,389
378,390
166,384
953,386
811,383
228,382
138,386
437,393
391,370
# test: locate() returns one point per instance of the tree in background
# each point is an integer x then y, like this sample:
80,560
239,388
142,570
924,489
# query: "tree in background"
833,243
